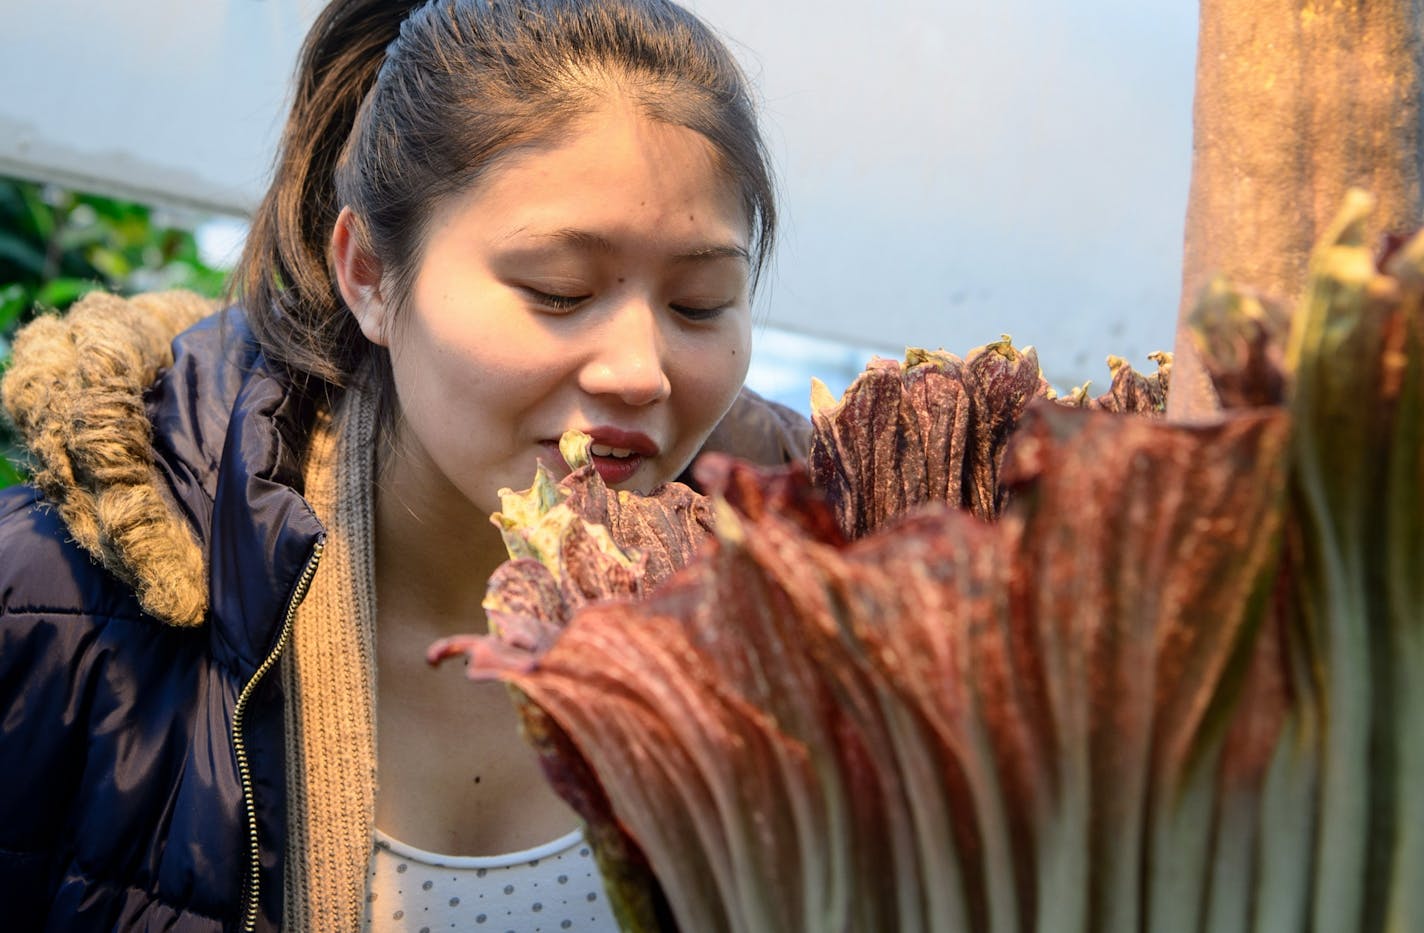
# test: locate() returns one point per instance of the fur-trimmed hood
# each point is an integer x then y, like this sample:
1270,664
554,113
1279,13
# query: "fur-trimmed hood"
75,391
174,461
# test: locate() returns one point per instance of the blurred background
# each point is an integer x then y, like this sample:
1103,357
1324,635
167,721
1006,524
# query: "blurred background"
950,171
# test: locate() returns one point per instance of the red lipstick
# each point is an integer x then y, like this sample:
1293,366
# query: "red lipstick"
617,454
636,441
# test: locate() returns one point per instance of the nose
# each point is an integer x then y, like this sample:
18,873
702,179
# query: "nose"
626,357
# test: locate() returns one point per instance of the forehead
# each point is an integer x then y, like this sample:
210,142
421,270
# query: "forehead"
615,175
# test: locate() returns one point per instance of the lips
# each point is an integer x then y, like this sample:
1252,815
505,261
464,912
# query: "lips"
617,453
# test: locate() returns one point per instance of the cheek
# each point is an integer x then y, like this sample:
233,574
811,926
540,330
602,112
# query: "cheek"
712,380
739,359
460,354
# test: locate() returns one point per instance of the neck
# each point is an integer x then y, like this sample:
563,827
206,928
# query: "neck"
435,552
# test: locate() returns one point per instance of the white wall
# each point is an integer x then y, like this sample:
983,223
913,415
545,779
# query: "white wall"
158,99
951,170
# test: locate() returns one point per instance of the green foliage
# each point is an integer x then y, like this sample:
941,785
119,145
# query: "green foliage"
56,245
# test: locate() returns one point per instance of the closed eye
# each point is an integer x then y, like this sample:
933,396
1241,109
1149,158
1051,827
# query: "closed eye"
556,302
700,314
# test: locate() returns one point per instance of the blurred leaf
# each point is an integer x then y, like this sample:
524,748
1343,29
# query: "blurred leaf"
15,299
61,293
77,236
180,246
205,281
112,264
38,217
119,214
23,254
9,476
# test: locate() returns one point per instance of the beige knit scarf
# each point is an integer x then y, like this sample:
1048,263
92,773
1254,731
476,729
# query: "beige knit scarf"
329,676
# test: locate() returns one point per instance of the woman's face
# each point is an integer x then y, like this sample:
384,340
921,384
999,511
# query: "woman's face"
598,284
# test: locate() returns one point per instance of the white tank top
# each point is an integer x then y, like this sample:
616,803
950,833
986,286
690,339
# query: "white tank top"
547,889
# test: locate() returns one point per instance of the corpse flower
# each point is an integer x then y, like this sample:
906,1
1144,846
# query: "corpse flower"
934,428
1176,683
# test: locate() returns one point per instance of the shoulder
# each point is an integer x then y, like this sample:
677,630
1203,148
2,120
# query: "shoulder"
72,635
44,572
762,431
74,638
81,391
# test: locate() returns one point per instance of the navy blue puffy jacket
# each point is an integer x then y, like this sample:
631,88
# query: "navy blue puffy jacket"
123,802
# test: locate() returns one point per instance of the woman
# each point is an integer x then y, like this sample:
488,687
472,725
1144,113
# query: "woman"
489,224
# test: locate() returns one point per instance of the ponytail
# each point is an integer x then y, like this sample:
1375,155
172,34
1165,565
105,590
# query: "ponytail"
283,276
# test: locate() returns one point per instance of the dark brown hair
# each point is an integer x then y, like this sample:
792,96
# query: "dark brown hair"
399,106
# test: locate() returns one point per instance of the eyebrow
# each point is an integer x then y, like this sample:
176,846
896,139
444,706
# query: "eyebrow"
716,252
593,242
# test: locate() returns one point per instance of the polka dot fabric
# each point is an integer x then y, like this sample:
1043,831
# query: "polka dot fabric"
548,889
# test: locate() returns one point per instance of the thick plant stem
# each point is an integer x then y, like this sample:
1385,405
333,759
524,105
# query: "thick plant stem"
1405,548
1296,102
1336,495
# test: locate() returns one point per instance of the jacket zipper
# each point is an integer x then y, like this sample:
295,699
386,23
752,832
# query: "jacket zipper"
252,886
